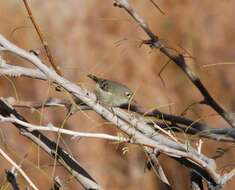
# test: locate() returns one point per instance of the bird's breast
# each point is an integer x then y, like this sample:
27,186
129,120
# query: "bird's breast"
110,99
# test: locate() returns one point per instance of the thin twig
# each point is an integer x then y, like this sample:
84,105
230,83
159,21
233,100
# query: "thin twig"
18,168
156,5
42,39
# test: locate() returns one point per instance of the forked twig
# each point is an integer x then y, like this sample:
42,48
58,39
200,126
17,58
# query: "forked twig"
178,59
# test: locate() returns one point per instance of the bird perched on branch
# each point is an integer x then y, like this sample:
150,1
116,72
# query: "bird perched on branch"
111,93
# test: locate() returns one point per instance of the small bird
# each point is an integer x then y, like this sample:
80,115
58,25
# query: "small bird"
111,93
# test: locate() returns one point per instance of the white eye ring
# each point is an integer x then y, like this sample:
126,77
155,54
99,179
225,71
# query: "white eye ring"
128,94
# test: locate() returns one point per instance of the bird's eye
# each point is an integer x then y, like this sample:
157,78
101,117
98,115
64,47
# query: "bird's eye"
128,94
104,85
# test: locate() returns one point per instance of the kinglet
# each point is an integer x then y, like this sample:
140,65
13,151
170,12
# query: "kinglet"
110,93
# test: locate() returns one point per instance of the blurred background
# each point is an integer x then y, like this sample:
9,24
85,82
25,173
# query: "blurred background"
87,36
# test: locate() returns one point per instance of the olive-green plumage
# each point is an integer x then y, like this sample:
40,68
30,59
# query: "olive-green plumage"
111,93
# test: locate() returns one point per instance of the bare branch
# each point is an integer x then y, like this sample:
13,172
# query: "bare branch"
18,168
178,59
17,71
227,177
51,148
11,178
51,128
191,127
170,122
57,184
155,164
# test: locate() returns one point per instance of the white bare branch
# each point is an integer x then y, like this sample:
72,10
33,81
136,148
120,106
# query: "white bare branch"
52,128
17,71
18,168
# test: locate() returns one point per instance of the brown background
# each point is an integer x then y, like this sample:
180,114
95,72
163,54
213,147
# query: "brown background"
88,36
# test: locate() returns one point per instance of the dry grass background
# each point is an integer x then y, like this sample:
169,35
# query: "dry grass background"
86,36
